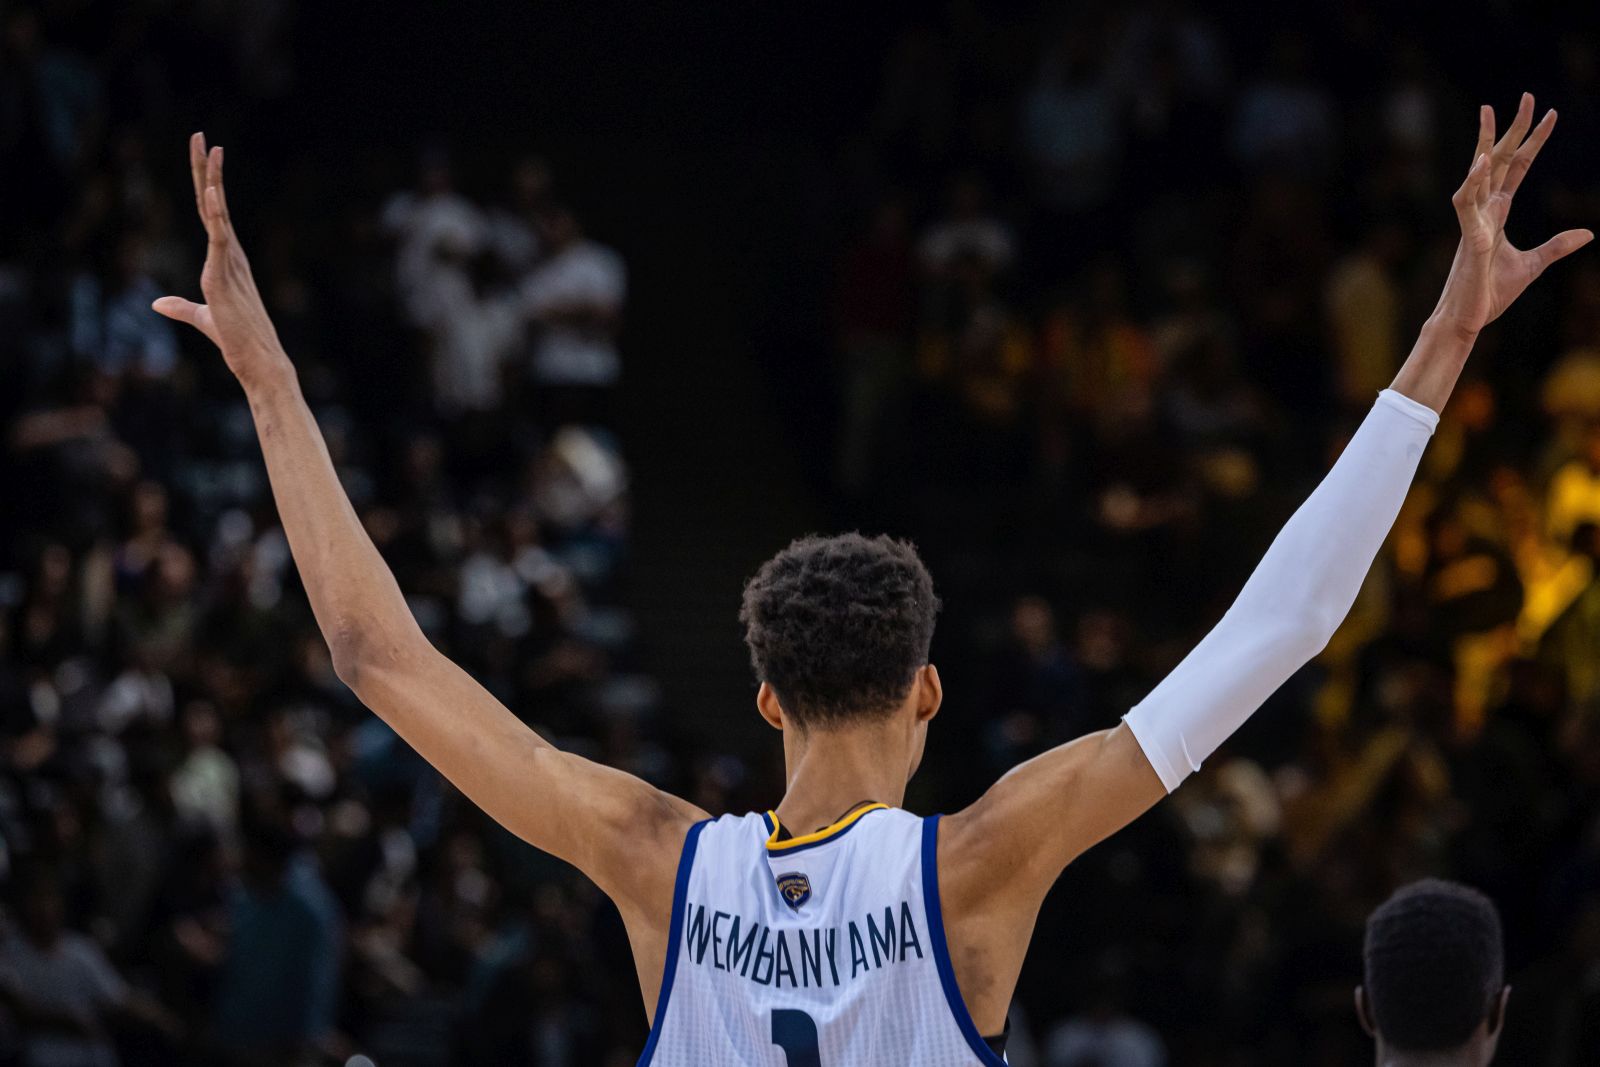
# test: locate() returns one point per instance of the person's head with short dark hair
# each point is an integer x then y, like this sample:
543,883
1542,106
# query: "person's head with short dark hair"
839,630
1434,991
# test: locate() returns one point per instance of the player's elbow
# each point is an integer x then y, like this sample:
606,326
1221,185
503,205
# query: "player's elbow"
345,647
1302,634
359,651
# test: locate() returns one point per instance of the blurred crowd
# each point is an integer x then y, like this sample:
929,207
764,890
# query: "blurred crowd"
209,852
1120,281
1112,287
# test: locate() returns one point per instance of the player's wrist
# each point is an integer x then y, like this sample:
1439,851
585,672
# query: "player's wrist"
1447,336
264,372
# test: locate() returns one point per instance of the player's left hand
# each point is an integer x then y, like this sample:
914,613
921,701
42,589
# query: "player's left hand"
1489,272
233,315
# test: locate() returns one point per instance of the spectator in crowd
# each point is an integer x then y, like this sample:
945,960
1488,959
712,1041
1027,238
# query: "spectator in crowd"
1071,126
1364,305
968,229
110,327
473,330
874,310
1072,136
66,993
429,223
1286,118
1037,697
205,784
277,984
472,326
1575,489
575,296
1104,1035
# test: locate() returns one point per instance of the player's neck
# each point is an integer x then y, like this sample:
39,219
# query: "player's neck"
1470,1056
832,771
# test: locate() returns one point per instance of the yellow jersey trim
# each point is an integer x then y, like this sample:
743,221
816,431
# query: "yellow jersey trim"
774,845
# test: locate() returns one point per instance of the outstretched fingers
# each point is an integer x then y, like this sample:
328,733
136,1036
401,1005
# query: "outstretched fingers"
1485,132
1558,247
197,171
223,255
219,227
1506,147
1523,159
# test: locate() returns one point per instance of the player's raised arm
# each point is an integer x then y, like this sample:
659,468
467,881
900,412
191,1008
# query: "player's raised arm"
1036,819
622,832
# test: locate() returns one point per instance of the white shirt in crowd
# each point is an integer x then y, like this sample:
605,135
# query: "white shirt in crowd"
423,227
205,787
945,242
583,275
472,337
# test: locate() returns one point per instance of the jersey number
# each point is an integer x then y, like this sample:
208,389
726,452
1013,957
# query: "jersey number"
796,1033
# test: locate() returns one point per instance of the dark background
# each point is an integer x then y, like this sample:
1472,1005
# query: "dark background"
1088,489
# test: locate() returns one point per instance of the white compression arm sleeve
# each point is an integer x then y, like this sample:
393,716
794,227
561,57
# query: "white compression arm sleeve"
1294,601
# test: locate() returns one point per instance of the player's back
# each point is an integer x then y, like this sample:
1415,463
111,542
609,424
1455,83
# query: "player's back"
825,950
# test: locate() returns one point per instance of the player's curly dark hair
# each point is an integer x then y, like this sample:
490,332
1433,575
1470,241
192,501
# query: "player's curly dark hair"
838,626
1435,961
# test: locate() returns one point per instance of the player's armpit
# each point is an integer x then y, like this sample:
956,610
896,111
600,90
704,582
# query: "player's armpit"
622,832
1015,840
998,858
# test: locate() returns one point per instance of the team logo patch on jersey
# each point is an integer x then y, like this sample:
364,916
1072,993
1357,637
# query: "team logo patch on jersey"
795,887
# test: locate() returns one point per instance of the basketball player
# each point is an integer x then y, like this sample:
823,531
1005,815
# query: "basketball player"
1435,991
838,929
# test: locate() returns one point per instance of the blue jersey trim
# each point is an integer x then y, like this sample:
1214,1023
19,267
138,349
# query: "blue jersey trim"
680,895
941,949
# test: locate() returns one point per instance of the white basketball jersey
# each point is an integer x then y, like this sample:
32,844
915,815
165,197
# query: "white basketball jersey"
826,950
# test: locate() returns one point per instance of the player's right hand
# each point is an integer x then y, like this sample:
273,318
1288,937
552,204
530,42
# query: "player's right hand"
1489,272
233,315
